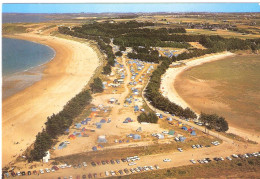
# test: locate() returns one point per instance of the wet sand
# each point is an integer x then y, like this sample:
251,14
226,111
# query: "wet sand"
25,112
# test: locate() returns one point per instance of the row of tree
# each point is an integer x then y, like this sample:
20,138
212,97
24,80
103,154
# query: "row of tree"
58,123
213,121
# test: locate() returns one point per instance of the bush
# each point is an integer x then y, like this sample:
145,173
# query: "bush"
150,117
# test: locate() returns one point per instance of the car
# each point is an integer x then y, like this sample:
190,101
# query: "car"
123,160
165,132
93,164
84,164
29,173
207,146
137,170
121,172
107,161
98,162
13,173
118,161
167,160
47,170
131,164
156,167
192,161
70,177
126,171
35,172
66,142
23,173
228,158
89,175
234,155
151,167
180,149
112,162
246,156
106,173
95,175
18,174
74,166
198,146
41,171
132,170
68,166
55,167
112,173
194,146
84,177
79,166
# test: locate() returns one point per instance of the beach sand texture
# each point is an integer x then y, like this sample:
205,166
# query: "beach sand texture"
25,113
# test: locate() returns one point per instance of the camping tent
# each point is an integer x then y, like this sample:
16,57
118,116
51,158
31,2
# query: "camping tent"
184,128
160,136
136,137
72,136
103,121
171,132
193,133
94,148
169,119
78,125
182,138
98,125
102,139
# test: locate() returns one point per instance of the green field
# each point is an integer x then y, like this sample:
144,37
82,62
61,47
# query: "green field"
231,88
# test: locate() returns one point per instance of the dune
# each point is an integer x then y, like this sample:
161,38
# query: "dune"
24,113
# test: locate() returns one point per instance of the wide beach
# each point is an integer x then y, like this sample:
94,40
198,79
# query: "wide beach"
25,112
172,86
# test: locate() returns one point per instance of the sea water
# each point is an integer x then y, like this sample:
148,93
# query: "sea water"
22,64
22,55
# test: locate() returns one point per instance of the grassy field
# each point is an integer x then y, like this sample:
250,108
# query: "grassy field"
227,87
237,168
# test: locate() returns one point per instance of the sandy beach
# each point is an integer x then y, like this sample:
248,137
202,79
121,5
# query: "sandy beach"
167,85
25,112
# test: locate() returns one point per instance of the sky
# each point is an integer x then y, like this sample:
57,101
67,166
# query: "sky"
137,7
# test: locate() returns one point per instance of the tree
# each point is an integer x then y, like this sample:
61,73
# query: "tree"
107,69
97,86
213,121
122,48
150,117
118,54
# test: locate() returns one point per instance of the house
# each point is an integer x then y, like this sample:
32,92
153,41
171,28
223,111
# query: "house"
47,157
102,139
136,137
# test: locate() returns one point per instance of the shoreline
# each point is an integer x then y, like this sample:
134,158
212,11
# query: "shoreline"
169,79
25,112
18,81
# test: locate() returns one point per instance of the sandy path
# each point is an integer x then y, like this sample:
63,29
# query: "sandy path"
25,113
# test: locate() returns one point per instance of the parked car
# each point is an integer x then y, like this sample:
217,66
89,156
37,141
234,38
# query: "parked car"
167,160
234,155
93,164
84,164
41,171
84,177
117,161
131,164
126,171
29,173
180,149
193,161
112,161
228,158
106,173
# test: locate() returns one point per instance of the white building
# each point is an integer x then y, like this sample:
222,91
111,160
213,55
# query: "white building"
47,157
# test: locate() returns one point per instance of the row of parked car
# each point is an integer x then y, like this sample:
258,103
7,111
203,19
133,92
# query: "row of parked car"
207,160
131,170
118,161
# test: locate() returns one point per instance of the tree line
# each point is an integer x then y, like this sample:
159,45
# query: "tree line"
58,123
